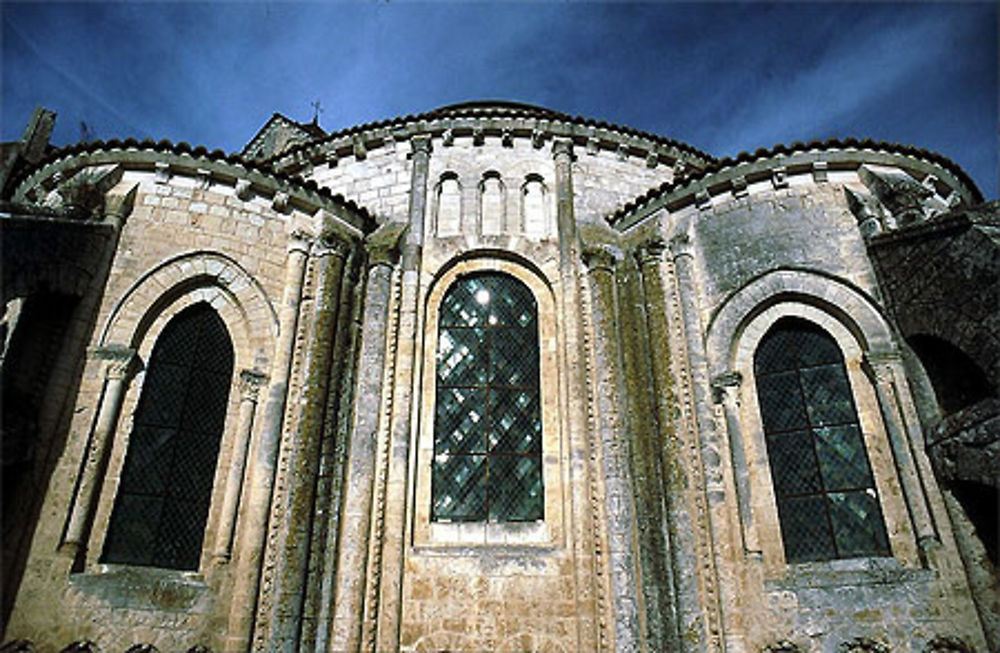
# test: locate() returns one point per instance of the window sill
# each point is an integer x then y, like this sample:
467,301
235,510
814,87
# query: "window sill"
144,588
849,572
451,535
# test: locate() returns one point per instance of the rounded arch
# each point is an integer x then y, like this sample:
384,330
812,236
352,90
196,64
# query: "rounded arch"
182,281
841,302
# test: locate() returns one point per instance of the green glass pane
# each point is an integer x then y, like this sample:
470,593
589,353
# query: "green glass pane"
459,420
458,487
805,529
843,460
515,489
857,524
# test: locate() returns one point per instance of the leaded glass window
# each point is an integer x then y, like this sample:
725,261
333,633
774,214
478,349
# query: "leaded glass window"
827,504
487,462
163,497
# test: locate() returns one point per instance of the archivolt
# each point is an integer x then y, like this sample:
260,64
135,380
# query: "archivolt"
846,304
198,276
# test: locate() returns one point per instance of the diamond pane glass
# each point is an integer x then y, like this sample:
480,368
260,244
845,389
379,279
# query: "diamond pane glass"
781,403
515,425
461,360
857,524
458,487
516,488
793,463
827,504
842,458
162,503
827,395
487,425
805,529
459,420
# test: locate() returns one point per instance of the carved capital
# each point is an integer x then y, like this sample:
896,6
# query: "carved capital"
204,178
299,241
651,251
250,383
537,138
383,243
120,361
599,257
478,136
448,137
421,144
725,385
507,138
562,147
862,645
162,169
681,245
119,205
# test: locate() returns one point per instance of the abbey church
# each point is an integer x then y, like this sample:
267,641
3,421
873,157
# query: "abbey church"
496,378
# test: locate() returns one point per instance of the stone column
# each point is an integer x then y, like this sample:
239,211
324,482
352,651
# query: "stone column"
562,153
573,362
264,454
618,499
295,525
250,382
880,370
722,607
726,390
680,525
120,362
384,608
355,525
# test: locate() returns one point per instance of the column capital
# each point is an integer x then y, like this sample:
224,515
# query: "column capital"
329,244
383,243
562,147
599,257
681,245
725,385
250,383
878,364
650,252
120,361
420,144
299,241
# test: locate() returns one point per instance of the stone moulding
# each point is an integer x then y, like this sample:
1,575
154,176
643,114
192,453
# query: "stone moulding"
733,176
296,193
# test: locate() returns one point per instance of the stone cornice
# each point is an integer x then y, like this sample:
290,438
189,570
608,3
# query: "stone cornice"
537,127
165,161
781,163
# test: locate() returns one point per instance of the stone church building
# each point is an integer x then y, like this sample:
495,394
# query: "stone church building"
496,378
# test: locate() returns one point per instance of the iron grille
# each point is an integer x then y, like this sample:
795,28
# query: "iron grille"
487,422
827,504
163,497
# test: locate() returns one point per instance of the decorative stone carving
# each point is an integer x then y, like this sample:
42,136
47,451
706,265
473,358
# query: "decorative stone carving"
652,160
702,199
359,149
622,152
946,644
863,645
18,646
537,138
819,172
478,136
723,383
82,646
280,202
782,646
593,145
120,361
250,383
779,177
244,189
872,217
162,172
82,195
448,137
383,243
204,178
739,186
507,138
903,196
142,648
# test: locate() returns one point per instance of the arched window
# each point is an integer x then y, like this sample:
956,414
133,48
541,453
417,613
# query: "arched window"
827,504
534,210
491,204
449,205
487,462
163,497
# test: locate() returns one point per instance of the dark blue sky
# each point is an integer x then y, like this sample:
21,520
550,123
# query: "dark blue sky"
722,77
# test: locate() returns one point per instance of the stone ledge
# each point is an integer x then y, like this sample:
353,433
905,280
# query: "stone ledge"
855,572
142,588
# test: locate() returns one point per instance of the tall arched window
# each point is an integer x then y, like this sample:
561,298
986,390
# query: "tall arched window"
827,504
533,208
449,205
487,462
163,497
